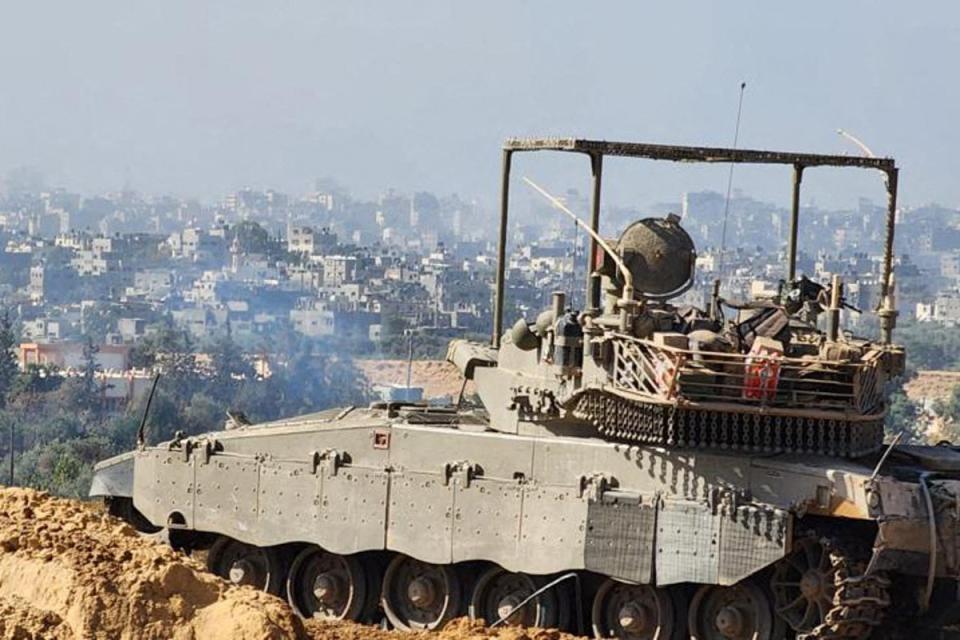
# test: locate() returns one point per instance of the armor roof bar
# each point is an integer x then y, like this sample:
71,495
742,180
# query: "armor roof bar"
597,149
693,154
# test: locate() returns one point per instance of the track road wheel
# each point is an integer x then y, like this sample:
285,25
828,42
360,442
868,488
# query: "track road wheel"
633,611
419,595
242,563
803,586
497,592
739,612
326,585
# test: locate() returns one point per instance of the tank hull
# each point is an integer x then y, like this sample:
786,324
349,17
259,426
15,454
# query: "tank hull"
449,494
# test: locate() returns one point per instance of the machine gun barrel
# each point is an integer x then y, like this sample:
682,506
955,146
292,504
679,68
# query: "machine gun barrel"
626,299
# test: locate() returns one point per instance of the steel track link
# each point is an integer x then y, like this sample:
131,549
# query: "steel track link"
859,601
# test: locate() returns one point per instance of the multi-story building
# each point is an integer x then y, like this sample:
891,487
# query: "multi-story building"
339,270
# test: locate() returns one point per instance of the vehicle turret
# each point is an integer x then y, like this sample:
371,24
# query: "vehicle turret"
767,378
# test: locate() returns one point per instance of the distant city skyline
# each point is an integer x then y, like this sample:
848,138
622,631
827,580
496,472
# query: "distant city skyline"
202,100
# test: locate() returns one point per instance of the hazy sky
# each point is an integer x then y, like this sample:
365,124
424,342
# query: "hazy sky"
201,98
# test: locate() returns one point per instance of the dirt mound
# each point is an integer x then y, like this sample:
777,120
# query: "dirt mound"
70,572
20,621
460,629
67,571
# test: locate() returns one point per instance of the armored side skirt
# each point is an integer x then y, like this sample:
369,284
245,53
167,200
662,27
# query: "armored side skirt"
532,505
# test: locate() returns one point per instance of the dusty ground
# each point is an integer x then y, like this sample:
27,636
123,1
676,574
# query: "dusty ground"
932,385
69,572
437,377
462,629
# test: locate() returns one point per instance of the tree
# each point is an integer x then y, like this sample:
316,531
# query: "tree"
58,442
930,345
203,414
392,325
100,319
91,367
318,381
83,393
62,467
35,380
903,416
8,361
171,352
250,237
165,417
949,410
229,367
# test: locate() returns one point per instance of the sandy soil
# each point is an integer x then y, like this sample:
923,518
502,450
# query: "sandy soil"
461,629
932,385
437,377
70,572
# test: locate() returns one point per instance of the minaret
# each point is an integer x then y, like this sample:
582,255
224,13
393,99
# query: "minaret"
235,254
414,215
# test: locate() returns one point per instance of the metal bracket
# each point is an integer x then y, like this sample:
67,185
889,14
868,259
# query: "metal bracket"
460,471
329,460
594,485
726,500
534,402
177,442
208,447
186,447
616,496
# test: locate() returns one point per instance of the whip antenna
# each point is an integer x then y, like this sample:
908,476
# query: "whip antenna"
141,430
726,205
624,271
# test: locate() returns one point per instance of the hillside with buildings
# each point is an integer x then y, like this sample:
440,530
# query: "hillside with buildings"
234,300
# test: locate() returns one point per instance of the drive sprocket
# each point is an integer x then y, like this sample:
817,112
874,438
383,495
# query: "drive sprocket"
859,599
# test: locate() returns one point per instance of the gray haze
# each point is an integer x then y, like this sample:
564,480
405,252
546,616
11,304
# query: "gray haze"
202,98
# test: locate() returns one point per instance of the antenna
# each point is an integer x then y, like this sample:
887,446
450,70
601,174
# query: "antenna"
141,436
857,141
573,264
726,205
409,357
556,202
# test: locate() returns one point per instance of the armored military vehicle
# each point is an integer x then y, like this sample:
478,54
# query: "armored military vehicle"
639,469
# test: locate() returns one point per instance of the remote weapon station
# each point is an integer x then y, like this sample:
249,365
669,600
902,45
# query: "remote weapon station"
639,469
